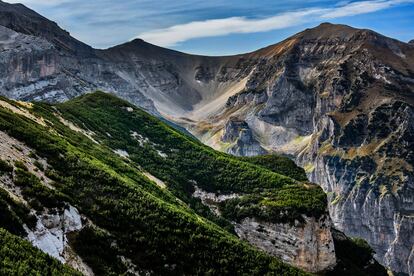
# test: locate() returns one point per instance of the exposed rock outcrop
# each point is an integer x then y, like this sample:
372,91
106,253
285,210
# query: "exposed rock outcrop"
240,136
212,200
40,61
50,231
402,243
23,20
365,166
308,245
247,97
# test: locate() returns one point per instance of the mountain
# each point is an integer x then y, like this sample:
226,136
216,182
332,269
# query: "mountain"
40,61
337,100
340,102
23,20
109,189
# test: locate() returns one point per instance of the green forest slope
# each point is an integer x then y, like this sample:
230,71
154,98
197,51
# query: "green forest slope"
160,230
132,177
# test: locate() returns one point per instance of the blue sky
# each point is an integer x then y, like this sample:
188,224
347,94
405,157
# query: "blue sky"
214,27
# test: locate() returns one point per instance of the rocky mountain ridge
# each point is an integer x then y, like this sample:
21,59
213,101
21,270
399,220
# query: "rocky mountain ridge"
338,100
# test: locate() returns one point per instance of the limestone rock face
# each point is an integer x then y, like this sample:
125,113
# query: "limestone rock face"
51,230
247,97
241,137
308,245
369,179
39,61
401,245
23,20
32,68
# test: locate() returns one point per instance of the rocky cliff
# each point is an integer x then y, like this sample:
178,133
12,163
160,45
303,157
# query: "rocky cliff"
306,242
39,61
338,100
240,138
307,245
369,181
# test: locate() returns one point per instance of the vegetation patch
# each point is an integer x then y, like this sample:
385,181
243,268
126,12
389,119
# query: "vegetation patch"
287,204
94,247
5,167
36,193
8,217
309,168
278,164
354,257
19,257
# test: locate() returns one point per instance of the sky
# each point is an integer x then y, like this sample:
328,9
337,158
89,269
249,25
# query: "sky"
213,27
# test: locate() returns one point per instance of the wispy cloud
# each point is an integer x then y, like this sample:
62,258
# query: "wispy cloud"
105,23
176,34
356,8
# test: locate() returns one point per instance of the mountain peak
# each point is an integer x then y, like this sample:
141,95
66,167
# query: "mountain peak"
324,31
328,25
328,30
140,47
411,41
26,21
138,41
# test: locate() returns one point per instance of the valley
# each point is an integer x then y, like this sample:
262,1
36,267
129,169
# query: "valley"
83,203
265,155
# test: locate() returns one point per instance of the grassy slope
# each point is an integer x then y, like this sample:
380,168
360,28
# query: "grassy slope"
149,225
19,257
279,164
190,161
112,191
187,158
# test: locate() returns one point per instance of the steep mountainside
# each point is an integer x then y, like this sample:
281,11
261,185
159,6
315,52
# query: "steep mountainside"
108,189
338,100
91,182
40,61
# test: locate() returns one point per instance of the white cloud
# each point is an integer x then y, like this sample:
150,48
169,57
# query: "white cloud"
219,27
356,8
